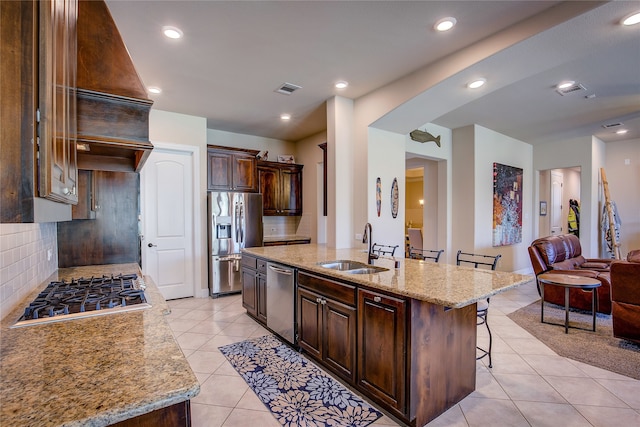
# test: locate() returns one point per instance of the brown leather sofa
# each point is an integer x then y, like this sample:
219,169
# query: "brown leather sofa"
625,296
563,254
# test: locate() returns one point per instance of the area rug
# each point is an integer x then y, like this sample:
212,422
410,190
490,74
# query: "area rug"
598,348
295,390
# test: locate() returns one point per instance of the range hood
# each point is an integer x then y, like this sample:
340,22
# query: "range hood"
112,104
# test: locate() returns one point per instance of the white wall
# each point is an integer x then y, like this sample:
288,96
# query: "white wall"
475,149
275,147
588,154
623,175
24,263
182,129
437,188
310,155
385,159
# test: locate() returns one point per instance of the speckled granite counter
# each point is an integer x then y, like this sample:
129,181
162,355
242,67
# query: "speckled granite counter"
443,284
93,371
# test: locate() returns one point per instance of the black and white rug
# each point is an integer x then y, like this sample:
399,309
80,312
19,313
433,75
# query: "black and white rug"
295,390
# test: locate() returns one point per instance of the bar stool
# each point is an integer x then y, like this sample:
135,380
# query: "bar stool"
383,249
480,261
423,254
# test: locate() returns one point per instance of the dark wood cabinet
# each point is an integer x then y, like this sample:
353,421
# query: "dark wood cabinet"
254,287
281,188
87,196
382,347
56,118
229,169
21,79
327,323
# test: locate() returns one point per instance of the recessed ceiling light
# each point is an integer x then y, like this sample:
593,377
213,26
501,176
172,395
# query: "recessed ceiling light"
154,89
475,84
632,19
621,131
445,24
342,84
172,32
565,84
285,117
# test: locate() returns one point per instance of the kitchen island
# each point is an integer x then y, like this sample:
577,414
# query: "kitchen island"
404,337
95,371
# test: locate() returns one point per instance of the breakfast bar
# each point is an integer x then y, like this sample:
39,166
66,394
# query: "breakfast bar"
402,335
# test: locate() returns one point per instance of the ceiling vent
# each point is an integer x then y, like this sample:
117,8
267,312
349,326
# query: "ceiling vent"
577,87
287,88
611,125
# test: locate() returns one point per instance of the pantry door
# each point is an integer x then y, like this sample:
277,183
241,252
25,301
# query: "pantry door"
555,208
168,183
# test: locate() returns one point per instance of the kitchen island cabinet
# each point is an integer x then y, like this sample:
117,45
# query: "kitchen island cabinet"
123,368
327,322
416,325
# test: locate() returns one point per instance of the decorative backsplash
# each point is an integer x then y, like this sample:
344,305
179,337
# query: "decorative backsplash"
24,262
286,225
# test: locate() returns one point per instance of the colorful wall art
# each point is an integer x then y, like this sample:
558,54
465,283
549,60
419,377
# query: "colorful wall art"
507,205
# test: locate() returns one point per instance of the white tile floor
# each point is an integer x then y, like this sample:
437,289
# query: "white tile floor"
529,385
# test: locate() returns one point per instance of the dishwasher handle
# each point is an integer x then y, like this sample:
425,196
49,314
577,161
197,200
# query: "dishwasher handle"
281,270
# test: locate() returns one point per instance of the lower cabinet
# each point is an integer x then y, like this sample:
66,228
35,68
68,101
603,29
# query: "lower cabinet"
382,348
175,415
327,323
254,287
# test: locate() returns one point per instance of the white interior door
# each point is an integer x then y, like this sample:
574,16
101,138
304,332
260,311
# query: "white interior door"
555,210
167,189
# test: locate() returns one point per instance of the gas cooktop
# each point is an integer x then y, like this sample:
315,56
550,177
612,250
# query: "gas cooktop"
85,297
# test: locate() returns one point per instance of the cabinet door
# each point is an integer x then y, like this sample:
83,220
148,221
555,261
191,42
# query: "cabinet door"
86,207
382,347
291,190
261,307
310,322
245,177
219,170
57,105
249,291
339,334
269,183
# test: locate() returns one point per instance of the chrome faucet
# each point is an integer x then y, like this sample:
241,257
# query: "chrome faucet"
368,237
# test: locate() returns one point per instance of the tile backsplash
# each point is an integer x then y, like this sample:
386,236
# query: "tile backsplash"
28,256
280,225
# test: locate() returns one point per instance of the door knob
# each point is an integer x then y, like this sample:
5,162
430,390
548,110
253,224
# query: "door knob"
151,245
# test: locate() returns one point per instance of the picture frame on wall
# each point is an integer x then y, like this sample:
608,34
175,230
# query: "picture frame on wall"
543,208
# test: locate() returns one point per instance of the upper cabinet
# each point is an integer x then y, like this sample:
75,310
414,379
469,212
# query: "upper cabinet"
281,188
56,117
67,84
231,170
38,150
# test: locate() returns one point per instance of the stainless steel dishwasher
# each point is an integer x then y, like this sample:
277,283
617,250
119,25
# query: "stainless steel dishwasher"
281,291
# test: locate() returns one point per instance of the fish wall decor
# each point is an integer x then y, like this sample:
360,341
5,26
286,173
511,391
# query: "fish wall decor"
424,136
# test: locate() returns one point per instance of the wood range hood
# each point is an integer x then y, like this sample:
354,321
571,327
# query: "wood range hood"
112,104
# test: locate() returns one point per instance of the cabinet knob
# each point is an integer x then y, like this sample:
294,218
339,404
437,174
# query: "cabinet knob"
377,299
319,300
66,191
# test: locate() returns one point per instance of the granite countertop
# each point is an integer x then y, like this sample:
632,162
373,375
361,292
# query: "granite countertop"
92,371
286,238
443,284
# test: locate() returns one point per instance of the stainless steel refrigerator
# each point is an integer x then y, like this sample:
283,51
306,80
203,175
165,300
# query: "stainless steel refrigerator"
235,222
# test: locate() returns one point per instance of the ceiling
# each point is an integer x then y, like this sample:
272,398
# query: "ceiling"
235,54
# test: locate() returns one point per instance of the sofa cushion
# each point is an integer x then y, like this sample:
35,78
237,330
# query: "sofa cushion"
594,265
634,256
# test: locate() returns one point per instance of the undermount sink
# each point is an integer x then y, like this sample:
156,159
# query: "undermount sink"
352,267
